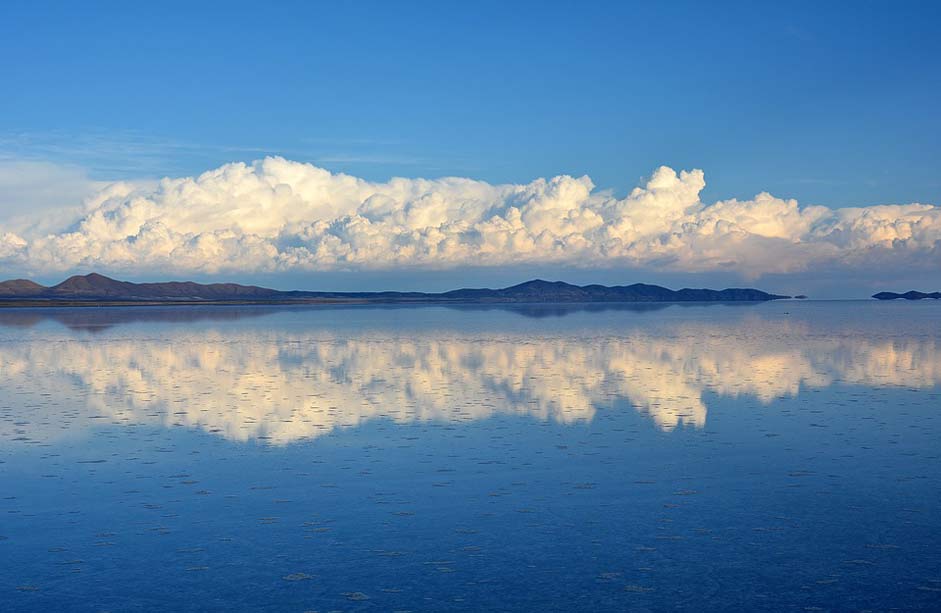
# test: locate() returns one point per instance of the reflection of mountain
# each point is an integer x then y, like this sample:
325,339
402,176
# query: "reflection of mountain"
92,319
559,309
96,319
284,385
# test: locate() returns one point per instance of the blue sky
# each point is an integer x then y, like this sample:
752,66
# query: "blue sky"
831,103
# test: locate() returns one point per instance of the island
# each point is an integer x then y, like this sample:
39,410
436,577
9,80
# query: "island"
95,289
912,295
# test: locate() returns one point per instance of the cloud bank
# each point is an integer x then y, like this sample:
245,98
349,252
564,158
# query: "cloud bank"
277,215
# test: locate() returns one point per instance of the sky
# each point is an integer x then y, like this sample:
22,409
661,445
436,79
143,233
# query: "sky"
429,145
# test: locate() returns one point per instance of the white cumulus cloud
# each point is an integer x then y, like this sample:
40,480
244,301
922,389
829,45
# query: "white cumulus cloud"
277,215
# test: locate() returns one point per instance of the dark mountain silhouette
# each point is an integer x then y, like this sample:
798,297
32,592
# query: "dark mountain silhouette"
558,291
99,286
912,295
20,287
95,288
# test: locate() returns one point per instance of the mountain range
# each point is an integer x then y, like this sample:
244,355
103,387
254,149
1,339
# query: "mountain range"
96,288
912,295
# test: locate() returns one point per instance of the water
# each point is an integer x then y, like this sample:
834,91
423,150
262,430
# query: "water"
780,456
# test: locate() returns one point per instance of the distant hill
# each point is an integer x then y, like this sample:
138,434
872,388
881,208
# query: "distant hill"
100,287
912,295
95,288
558,291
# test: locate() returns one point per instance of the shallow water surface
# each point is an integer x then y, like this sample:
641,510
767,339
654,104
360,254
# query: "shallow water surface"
778,456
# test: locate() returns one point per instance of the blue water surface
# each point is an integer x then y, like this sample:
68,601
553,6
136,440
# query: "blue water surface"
780,456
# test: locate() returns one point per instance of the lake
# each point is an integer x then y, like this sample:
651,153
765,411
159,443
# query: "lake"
782,456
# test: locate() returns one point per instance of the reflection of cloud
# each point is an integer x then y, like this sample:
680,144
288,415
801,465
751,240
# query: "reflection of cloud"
284,387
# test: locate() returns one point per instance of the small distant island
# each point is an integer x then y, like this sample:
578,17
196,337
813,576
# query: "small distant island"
912,295
96,290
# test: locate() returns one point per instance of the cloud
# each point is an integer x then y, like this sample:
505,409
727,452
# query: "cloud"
276,215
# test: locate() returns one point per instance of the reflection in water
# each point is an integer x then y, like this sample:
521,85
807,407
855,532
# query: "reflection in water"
98,319
282,386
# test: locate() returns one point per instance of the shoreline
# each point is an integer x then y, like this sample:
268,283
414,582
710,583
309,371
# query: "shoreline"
44,304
